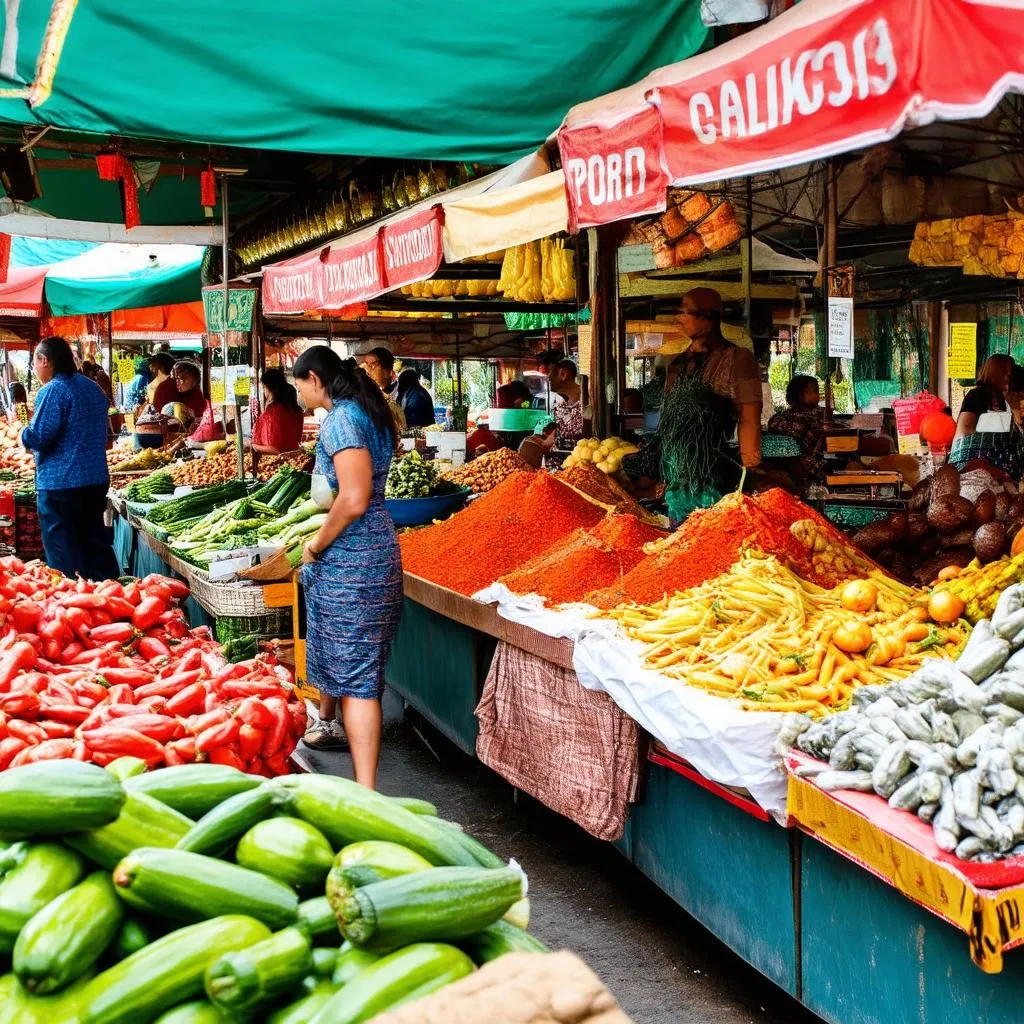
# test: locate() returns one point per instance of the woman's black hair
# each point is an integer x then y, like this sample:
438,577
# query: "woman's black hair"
163,361
407,380
190,368
797,386
277,384
58,354
17,392
343,379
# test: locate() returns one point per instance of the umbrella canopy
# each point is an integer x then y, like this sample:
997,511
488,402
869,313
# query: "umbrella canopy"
388,78
79,277
826,77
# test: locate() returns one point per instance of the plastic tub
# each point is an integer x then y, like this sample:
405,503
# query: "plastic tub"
418,511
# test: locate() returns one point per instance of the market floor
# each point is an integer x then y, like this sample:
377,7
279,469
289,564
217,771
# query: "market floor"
662,966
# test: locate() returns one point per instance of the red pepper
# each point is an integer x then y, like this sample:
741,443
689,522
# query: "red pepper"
80,622
148,611
3,725
180,751
99,715
157,727
27,731
177,588
71,651
25,615
51,750
52,650
151,648
121,693
278,764
132,676
253,712
22,705
122,632
69,714
57,730
30,682
20,656
110,588
199,723
225,755
189,701
133,593
299,718
177,628
170,686
250,742
100,617
256,767
118,739
9,748
238,688
213,662
58,689
118,608
154,704
217,736
89,688
192,659
87,601
278,734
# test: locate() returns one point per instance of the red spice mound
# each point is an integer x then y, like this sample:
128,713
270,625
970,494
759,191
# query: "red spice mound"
517,520
708,544
585,560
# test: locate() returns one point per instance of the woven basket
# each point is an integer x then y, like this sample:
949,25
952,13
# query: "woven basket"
230,599
276,624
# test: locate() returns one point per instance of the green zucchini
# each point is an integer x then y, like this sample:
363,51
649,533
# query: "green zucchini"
480,854
416,805
218,829
199,1011
439,904
317,918
133,935
126,767
55,797
498,939
325,960
63,941
190,886
351,961
372,860
8,986
302,1010
23,1007
392,980
167,972
193,789
289,849
11,855
346,812
143,821
519,913
248,980
46,870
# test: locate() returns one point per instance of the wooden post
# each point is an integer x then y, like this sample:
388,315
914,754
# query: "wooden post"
831,226
603,243
935,344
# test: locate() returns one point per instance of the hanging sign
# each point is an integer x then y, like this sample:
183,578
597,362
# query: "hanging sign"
963,351
840,328
295,285
241,303
412,248
614,172
353,273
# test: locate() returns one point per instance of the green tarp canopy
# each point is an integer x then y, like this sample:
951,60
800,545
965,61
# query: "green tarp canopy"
463,80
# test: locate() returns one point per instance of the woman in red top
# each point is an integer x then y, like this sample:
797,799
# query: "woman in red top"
279,428
187,379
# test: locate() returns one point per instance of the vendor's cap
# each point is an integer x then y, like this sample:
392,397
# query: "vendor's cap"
703,300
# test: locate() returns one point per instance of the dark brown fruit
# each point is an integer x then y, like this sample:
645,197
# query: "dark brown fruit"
920,496
874,537
929,570
946,483
985,508
948,515
1004,503
990,542
917,526
959,539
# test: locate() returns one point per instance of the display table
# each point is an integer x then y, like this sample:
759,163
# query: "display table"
831,934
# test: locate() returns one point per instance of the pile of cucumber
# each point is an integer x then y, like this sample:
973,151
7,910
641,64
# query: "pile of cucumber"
202,895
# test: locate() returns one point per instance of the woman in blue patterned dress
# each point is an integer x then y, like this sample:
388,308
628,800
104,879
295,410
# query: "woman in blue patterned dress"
352,571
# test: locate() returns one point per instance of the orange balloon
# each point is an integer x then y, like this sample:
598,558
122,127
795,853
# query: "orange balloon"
938,428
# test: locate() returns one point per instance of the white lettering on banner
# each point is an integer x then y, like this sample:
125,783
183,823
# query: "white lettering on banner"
410,247
608,178
352,276
798,86
293,288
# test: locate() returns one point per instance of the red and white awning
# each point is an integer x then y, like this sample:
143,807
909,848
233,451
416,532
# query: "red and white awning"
826,77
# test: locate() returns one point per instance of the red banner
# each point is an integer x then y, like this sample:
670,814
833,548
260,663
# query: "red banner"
612,173
826,77
353,273
294,286
412,247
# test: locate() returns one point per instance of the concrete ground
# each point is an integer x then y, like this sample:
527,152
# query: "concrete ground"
663,967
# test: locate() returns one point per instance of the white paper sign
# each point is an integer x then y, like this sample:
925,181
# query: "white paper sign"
840,328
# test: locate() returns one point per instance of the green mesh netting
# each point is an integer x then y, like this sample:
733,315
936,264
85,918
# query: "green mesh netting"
543,321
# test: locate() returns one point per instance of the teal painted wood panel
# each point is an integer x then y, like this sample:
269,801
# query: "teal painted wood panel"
726,868
871,956
124,535
439,667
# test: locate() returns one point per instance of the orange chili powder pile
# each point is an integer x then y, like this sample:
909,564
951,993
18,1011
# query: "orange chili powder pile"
585,560
517,520
709,543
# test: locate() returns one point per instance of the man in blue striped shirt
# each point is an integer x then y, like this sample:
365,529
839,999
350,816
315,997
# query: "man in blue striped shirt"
68,435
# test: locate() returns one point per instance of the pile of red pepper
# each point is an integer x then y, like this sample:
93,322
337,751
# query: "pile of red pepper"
100,671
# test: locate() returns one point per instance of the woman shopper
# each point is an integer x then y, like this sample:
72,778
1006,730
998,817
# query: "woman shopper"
352,572
68,435
279,427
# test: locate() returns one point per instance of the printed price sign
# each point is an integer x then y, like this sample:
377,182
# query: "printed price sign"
963,351
126,370
840,328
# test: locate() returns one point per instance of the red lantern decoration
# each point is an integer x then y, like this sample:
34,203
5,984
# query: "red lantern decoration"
208,188
117,167
938,429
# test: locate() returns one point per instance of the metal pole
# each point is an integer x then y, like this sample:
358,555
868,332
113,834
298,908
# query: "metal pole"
239,441
831,226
